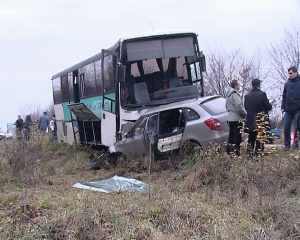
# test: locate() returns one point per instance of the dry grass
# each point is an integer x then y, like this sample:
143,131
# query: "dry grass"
205,195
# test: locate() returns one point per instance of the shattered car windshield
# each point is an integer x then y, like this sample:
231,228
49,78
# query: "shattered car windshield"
139,125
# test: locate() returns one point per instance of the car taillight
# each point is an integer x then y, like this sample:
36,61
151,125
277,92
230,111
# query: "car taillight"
213,124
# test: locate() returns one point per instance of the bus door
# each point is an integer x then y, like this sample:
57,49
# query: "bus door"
88,123
164,131
76,86
76,96
109,123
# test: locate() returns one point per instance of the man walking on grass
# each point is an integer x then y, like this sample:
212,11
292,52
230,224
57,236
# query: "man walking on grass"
290,106
43,123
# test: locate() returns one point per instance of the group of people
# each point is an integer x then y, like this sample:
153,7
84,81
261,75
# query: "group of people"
23,129
256,102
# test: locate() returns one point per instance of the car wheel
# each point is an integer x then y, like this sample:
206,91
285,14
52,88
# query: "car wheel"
189,146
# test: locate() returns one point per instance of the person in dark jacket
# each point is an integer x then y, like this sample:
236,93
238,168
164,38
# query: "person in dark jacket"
19,123
298,126
256,101
19,127
43,123
290,106
236,112
27,125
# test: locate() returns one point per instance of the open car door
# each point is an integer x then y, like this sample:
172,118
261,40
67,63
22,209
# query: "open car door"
165,141
87,123
133,141
151,131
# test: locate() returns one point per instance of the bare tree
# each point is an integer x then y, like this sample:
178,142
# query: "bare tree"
223,67
220,71
280,57
250,68
35,111
285,54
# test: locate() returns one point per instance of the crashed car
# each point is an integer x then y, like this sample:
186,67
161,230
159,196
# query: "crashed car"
167,128
2,135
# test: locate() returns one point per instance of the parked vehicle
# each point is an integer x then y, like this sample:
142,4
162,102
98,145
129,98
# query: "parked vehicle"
168,127
2,134
10,133
272,135
275,132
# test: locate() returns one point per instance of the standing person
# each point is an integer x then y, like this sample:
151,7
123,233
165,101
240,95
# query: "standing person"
290,106
298,132
43,123
256,101
53,128
27,125
19,127
236,112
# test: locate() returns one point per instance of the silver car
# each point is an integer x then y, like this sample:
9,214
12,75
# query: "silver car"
168,127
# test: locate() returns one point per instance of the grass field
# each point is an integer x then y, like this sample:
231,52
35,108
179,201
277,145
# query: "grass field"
204,195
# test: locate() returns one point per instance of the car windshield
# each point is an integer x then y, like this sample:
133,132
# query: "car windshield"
215,106
139,125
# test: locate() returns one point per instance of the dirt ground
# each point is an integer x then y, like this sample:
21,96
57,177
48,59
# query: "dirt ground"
278,141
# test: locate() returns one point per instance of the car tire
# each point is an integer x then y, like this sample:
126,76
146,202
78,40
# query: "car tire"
189,146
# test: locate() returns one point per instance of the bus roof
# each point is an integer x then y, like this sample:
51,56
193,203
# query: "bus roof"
152,34
156,34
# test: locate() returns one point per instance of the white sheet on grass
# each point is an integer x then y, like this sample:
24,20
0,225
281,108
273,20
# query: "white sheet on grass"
113,184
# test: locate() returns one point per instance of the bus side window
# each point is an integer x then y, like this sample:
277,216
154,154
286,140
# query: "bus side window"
108,74
65,88
89,80
81,82
56,85
99,86
70,84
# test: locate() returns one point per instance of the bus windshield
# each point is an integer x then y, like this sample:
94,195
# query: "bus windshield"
156,68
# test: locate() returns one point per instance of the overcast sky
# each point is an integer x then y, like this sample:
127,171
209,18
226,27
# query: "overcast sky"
39,38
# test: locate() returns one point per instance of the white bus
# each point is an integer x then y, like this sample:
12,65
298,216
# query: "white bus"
94,98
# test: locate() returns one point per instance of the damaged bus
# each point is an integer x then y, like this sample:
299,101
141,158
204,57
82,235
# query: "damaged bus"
95,98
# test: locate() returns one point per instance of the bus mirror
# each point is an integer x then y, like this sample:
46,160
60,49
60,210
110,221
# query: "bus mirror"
121,73
203,62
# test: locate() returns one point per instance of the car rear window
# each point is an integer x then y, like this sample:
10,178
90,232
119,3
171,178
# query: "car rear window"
215,106
191,114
